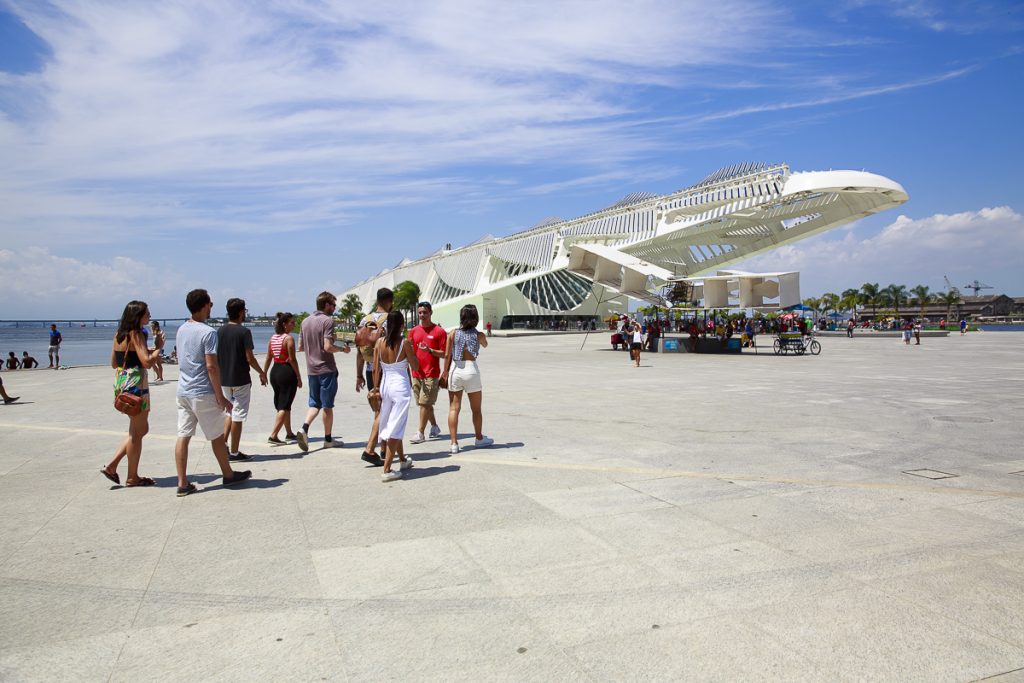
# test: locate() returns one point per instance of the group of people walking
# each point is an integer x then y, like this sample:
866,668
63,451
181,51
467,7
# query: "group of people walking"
396,366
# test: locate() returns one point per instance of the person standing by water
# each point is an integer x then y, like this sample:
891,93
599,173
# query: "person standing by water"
130,357
285,378
392,358
463,375
53,351
200,398
158,366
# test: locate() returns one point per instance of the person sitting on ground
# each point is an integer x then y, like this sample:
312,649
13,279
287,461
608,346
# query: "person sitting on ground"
5,396
12,361
27,361
463,375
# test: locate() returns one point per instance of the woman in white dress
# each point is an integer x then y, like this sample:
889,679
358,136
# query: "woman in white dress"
392,358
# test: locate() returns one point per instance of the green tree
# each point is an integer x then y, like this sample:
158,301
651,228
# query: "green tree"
923,296
897,295
813,303
351,307
951,299
407,295
849,299
871,293
829,302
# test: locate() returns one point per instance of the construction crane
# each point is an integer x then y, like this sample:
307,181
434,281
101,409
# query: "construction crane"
977,287
950,287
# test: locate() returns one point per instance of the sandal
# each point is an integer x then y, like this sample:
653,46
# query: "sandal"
141,481
115,477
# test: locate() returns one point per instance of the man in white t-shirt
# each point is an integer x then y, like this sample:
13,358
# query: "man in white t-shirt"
200,398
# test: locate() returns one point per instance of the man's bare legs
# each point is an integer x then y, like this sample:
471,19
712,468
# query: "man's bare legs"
220,452
328,418
426,415
232,434
371,443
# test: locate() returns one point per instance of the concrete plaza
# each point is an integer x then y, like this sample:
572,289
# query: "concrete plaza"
702,517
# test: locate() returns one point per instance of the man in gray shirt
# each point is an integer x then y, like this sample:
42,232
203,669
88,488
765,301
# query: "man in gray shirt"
200,398
317,340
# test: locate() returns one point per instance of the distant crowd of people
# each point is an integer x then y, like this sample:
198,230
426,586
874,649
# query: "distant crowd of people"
396,366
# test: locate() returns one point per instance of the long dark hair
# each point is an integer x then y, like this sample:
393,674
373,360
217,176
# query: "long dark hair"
282,320
468,317
396,322
131,320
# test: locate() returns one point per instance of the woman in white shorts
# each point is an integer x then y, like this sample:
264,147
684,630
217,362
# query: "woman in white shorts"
463,375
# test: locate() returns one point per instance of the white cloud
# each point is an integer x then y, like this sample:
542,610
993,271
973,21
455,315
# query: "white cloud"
987,244
36,282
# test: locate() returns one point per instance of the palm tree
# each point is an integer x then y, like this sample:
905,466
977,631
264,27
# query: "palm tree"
951,299
897,295
407,295
923,295
849,300
829,302
351,306
812,303
871,292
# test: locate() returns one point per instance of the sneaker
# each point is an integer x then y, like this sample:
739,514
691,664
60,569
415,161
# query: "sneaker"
334,443
274,440
454,449
372,458
405,464
484,442
435,432
290,437
185,490
237,477
418,438
391,476
303,440
239,457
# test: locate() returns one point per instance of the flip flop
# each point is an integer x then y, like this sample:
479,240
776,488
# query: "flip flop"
115,477
142,481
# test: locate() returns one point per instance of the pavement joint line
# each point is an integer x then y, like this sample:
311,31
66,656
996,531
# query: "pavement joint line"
646,472
656,473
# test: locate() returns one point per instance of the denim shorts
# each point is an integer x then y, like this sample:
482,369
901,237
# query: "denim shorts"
322,390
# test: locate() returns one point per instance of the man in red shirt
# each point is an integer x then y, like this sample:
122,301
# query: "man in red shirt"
429,341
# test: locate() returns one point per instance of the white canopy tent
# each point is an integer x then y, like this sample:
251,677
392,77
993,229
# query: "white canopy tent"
739,289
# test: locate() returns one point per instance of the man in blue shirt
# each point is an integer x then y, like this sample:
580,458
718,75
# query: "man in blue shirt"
54,349
200,398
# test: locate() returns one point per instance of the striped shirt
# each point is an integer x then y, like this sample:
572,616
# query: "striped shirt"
277,348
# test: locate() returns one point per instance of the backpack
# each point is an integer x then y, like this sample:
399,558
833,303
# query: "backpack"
367,335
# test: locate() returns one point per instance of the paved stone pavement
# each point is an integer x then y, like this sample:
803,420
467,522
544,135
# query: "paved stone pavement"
725,518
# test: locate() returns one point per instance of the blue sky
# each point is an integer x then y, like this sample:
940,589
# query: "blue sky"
271,150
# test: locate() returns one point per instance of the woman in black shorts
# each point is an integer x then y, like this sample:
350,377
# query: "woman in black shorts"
284,378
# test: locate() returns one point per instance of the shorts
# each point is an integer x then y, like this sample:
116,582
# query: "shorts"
201,410
53,349
465,376
239,397
424,390
322,390
369,377
635,346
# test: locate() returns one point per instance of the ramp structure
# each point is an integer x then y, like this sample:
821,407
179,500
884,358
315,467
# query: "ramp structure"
589,266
